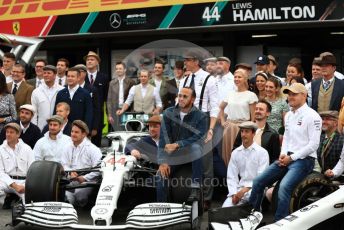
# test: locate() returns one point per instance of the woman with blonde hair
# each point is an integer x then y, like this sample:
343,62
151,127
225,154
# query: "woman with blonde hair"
238,107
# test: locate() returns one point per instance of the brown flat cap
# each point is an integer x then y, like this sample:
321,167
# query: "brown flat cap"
154,119
244,66
81,67
295,88
211,59
92,54
56,118
248,125
14,126
193,55
50,67
331,113
81,125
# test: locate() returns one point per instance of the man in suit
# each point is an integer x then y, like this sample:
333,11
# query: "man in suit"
38,80
61,67
327,93
173,84
19,88
79,99
159,81
101,82
118,92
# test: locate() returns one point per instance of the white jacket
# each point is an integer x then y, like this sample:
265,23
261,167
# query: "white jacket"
43,98
14,162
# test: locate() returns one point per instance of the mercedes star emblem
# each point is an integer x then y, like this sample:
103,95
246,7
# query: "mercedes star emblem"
115,20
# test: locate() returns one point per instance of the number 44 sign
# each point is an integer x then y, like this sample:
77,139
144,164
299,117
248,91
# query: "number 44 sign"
211,14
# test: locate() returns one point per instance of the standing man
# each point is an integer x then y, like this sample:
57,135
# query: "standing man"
210,65
101,82
316,75
327,93
9,60
19,88
173,84
262,64
63,110
182,135
44,97
62,67
80,154
159,81
207,101
77,98
247,161
38,80
51,146
118,93
146,97
298,153
15,160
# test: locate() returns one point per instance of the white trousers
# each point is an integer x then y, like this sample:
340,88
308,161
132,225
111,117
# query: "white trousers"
244,200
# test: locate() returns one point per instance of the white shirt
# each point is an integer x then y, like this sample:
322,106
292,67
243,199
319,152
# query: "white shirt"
85,155
225,84
238,105
157,83
72,91
339,168
94,75
63,80
14,162
121,92
39,82
246,163
210,98
51,150
131,95
302,133
9,79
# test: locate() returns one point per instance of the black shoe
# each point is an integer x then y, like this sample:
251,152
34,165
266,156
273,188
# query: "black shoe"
194,195
10,199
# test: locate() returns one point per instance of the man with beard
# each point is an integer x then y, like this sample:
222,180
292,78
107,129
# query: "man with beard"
210,65
61,68
247,161
182,135
159,81
53,143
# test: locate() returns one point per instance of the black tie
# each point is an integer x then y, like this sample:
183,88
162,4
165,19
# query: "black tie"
60,81
192,83
91,79
14,91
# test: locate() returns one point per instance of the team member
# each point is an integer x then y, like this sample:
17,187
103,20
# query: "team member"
247,161
9,61
173,84
159,81
38,80
53,143
210,65
296,161
61,69
15,159
63,110
80,154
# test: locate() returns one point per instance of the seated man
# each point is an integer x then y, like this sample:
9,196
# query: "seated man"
182,136
15,160
80,154
247,161
147,146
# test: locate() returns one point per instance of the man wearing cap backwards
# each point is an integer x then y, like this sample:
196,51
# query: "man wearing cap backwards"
210,65
38,80
80,154
331,141
147,146
62,66
101,81
298,153
15,160
44,97
173,84
53,143
30,133
158,80
327,93
247,161
118,92
182,135
207,101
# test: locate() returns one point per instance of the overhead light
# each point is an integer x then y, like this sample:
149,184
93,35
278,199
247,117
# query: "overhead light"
263,35
337,33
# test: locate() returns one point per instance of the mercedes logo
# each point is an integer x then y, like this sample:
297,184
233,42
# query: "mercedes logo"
101,211
115,20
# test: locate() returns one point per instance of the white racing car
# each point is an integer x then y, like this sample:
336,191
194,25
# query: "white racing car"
46,184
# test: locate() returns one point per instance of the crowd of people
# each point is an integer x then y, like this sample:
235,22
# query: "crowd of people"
247,129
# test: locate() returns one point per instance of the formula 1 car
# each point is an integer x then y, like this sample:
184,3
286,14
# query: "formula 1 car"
46,184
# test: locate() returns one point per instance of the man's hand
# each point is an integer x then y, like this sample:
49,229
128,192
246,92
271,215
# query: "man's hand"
18,187
210,135
73,175
156,111
110,119
170,148
81,179
164,170
284,160
226,124
235,199
329,173
135,153
119,112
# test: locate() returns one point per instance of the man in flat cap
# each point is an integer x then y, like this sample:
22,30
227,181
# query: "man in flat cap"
44,97
173,84
298,153
210,65
331,141
53,143
147,147
80,154
12,172
62,66
38,80
100,81
247,161
327,93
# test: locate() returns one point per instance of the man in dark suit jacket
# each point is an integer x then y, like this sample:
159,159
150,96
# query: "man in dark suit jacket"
173,84
265,136
101,82
38,80
329,83
19,88
30,133
79,99
114,99
159,80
